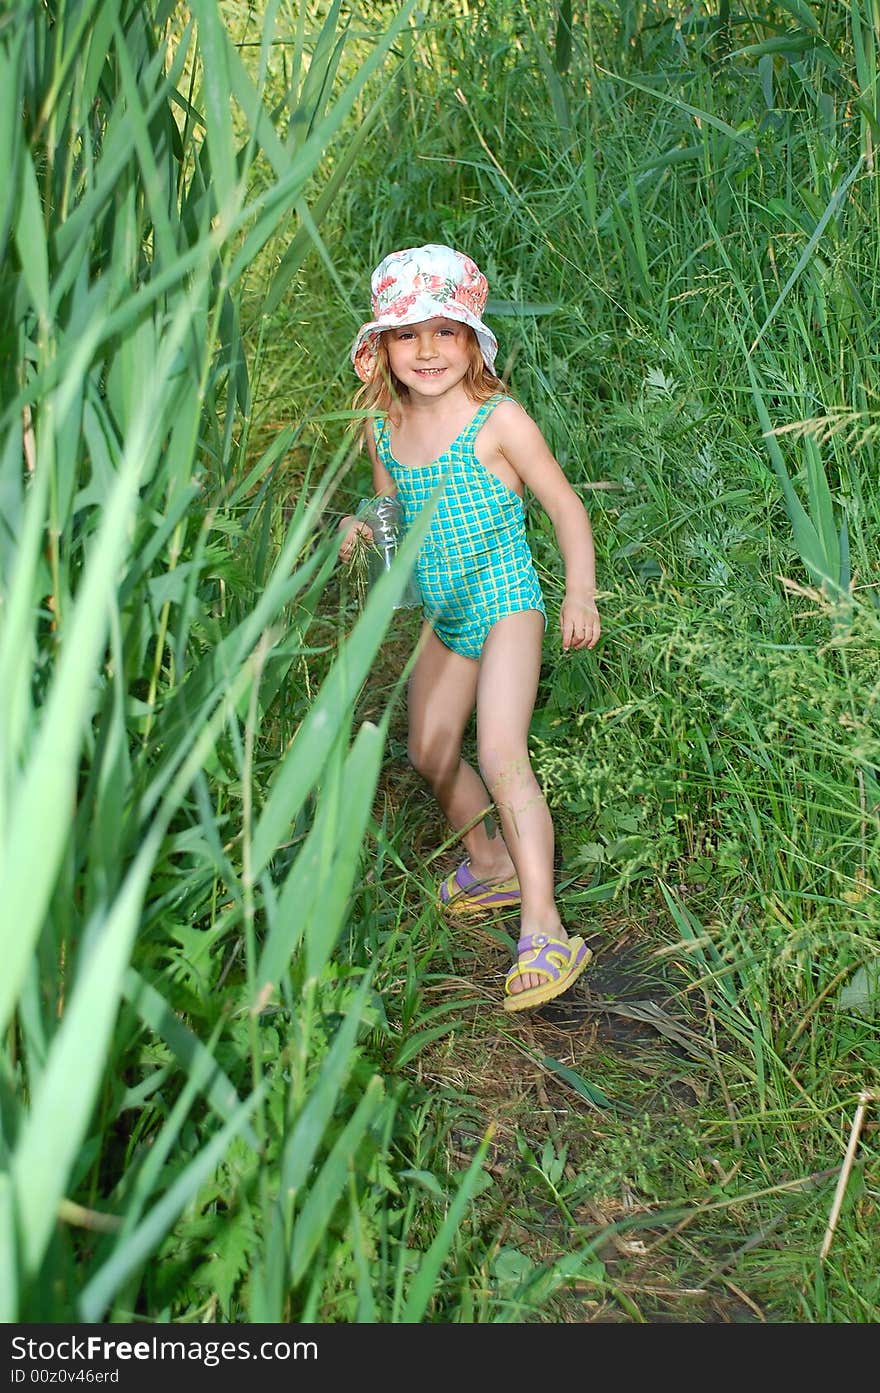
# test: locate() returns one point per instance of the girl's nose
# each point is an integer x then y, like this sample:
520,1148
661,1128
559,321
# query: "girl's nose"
425,346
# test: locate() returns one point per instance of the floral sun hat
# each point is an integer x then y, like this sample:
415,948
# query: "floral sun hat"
423,283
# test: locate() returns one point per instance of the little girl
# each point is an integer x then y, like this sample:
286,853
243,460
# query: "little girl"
440,413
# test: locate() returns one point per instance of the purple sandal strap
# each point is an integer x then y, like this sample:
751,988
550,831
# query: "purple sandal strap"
465,885
549,956
465,878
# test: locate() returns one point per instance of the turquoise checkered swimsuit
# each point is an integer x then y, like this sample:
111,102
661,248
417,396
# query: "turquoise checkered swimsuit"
474,565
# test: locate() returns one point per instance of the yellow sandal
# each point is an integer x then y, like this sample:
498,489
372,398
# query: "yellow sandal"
558,961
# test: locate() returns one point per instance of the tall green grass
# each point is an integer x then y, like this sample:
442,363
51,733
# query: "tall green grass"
247,1076
680,226
181,815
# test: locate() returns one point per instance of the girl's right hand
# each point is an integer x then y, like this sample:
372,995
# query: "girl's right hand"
351,528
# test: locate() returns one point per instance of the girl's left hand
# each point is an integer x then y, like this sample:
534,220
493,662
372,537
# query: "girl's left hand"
580,623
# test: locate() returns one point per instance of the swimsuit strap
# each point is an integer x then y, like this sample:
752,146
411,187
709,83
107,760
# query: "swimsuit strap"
470,431
382,433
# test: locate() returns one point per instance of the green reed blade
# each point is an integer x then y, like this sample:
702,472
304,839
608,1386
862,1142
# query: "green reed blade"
19,600
576,1081
61,1107
821,507
30,238
328,1185
299,1152
366,1306
311,100
96,47
268,209
823,566
308,1131
96,1296
62,1103
193,1057
135,1193
313,900
45,789
801,11
424,1282
157,194
214,44
109,174
303,762
11,73
301,241
832,207
698,113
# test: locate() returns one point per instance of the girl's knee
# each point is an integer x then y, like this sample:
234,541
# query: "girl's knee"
417,756
434,761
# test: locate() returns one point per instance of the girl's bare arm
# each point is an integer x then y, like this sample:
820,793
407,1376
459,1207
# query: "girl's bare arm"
522,444
383,487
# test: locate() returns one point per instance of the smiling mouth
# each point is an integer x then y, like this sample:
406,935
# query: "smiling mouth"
429,372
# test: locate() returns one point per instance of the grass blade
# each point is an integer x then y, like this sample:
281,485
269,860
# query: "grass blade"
325,1190
61,1107
99,1291
194,1058
302,764
30,239
425,1280
313,901
584,1089
214,43
833,205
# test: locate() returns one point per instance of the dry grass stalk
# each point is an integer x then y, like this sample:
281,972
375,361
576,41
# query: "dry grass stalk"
865,1097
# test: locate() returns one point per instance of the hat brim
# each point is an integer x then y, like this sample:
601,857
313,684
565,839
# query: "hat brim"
366,345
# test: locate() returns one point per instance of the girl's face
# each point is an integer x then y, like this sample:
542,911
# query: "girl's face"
429,358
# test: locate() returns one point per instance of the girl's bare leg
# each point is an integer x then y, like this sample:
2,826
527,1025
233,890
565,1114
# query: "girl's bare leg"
441,698
510,666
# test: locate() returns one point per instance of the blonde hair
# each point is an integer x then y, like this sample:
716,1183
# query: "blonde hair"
384,392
